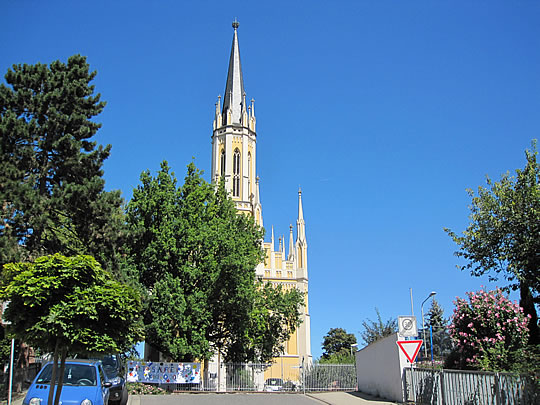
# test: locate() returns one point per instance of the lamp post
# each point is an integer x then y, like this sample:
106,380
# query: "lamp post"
353,345
431,294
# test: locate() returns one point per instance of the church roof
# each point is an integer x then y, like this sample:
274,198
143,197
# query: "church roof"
234,89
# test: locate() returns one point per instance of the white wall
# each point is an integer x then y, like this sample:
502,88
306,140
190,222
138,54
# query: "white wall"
379,369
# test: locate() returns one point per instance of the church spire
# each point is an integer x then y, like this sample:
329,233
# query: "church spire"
234,89
291,244
300,224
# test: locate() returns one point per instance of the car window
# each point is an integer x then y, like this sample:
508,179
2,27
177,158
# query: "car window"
74,374
111,365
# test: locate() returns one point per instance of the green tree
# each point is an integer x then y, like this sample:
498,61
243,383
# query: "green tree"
442,343
169,232
52,197
503,235
274,317
337,346
196,257
375,330
435,314
69,305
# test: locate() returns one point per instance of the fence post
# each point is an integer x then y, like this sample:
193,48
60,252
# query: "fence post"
497,390
413,383
441,382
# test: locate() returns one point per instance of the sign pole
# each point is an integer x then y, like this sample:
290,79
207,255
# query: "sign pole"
11,371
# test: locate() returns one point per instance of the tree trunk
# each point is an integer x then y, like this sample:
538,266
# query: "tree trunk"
526,302
61,376
53,374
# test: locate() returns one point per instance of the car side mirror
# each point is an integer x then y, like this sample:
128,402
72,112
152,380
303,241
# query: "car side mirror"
107,384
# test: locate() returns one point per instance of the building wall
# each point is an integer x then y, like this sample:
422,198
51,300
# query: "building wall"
379,369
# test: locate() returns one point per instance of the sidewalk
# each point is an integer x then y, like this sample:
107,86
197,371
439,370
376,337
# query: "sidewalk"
16,398
347,398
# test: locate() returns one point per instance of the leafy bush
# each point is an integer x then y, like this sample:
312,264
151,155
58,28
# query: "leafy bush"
489,331
144,389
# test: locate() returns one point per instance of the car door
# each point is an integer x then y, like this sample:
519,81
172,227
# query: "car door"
104,389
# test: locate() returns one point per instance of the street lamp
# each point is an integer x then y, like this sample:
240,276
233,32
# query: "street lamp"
353,345
431,294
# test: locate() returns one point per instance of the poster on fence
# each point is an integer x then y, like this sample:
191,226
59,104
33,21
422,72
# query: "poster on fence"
163,373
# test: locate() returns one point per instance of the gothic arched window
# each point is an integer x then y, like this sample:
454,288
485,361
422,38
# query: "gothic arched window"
236,173
222,162
249,173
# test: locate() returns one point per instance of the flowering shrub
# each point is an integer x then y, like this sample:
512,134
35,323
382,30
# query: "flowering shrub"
489,331
144,389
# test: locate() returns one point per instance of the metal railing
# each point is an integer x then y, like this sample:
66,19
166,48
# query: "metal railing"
458,387
330,377
272,377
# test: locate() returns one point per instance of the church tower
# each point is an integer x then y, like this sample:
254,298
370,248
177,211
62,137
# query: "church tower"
234,157
234,140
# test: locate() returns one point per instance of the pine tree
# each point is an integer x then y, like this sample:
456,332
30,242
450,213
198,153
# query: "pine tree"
442,343
52,196
435,315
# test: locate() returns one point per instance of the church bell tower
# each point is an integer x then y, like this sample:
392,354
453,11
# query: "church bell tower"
234,139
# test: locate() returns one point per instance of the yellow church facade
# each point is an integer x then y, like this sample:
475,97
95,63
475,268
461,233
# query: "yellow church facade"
234,158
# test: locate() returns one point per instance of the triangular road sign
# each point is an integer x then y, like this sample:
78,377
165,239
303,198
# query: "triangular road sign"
410,348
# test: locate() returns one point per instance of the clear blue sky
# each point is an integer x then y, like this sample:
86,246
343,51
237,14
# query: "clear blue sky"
384,112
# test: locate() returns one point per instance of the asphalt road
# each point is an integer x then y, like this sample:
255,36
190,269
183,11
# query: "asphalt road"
224,399
329,398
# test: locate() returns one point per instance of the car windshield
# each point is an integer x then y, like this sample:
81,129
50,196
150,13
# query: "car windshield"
111,365
274,381
74,374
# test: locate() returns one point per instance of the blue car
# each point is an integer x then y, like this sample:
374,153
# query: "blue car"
85,383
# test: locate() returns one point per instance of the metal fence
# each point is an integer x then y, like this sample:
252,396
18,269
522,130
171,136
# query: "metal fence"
272,377
330,377
20,376
458,387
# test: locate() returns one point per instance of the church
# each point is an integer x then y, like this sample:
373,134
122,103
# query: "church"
234,157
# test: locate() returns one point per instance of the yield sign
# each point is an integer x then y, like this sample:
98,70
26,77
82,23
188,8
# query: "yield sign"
410,348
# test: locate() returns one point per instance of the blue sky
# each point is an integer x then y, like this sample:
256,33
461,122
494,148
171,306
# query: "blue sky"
384,112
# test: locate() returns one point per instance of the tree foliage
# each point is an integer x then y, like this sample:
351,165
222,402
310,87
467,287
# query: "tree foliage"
52,197
502,238
442,343
69,305
435,316
337,346
490,332
196,257
375,330
275,315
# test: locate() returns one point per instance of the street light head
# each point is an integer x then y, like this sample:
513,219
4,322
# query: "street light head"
432,293
354,345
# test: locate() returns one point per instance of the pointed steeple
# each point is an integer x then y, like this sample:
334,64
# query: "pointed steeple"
234,89
291,245
300,224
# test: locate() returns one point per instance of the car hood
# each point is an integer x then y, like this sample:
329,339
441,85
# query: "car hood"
71,395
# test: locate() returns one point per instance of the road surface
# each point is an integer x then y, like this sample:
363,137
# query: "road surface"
330,398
